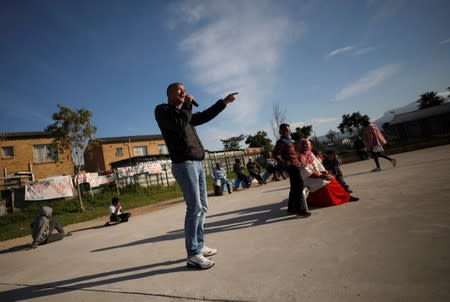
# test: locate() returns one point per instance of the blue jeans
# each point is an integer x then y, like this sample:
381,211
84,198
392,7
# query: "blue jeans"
191,178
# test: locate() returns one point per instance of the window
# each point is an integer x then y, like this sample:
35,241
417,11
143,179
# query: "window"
163,149
44,153
7,151
119,151
140,150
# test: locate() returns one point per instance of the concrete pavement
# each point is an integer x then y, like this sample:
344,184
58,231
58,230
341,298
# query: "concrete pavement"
392,245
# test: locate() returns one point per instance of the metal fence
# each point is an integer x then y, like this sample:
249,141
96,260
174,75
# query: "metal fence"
226,159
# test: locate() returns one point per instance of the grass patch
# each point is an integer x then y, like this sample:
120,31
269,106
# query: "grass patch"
67,211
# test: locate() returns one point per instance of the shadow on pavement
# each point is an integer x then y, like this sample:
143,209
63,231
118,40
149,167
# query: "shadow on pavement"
86,283
22,247
246,218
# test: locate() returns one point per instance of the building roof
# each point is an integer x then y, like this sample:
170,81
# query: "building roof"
134,138
421,114
24,135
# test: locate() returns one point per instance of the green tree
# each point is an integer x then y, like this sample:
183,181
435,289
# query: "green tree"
429,99
232,143
331,135
301,133
260,139
72,130
352,123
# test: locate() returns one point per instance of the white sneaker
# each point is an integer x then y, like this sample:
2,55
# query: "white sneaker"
207,251
200,262
376,170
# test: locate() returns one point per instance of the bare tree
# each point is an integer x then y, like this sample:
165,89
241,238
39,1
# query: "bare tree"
279,117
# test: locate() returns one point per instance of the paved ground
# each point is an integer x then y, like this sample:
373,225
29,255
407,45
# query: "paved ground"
393,245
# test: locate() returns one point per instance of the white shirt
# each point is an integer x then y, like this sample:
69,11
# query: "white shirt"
112,210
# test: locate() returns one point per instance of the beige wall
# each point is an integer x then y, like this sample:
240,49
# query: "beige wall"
23,157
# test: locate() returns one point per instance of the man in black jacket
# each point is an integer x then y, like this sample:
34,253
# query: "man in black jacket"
176,121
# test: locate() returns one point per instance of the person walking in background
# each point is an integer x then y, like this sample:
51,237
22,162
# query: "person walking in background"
374,141
177,124
115,212
43,226
286,156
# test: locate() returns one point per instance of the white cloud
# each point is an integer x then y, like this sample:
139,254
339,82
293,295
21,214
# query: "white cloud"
339,51
323,120
445,41
363,51
235,46
367,81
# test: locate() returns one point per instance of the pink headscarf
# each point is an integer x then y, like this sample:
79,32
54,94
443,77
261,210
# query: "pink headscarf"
305,155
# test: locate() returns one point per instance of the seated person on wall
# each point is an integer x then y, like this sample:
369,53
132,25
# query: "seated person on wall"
273,168
255,171
324,190
238,170
42,228
332,164
220,180
115,212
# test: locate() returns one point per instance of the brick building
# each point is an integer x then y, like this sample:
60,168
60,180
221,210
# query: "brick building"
31,154
101,152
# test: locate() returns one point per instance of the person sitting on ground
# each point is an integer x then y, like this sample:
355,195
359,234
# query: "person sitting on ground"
115,212
220,180
333,165
324,190
238,170
42,228
255,171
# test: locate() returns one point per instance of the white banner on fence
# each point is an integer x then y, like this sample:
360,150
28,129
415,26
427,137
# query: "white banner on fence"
149,167
96,180
49,188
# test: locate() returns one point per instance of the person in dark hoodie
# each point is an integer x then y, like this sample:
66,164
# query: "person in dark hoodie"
177,124
43,226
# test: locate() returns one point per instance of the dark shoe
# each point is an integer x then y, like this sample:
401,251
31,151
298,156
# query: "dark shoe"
304,213
352,198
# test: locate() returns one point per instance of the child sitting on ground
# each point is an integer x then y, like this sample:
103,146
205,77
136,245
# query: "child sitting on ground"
333,166
115,212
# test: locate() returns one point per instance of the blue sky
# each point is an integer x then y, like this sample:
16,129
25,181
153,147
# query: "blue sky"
317,59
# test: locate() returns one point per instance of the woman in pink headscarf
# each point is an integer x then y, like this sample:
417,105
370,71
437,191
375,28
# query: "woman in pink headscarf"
324,190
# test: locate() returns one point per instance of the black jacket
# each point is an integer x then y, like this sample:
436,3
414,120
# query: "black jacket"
177,128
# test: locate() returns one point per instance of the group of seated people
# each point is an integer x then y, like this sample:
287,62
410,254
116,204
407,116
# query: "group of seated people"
323,179
242,179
